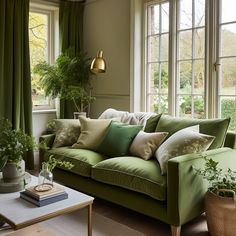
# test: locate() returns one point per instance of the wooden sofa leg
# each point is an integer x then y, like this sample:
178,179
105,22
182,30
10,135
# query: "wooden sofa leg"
175,230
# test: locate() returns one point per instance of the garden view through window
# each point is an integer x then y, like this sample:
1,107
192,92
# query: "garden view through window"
190,61
39,51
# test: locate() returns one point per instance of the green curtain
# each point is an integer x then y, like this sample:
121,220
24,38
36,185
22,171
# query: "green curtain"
15,81
71,36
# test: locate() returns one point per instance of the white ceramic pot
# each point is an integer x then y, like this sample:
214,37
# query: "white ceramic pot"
12,171
77,114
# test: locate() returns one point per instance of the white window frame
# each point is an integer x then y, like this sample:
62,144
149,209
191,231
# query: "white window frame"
212,66
52,11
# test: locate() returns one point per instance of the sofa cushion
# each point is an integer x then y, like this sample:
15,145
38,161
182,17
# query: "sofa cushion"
118,139
145,144
132,173
67,132
92,132
184,141
151,123
213,127
82,159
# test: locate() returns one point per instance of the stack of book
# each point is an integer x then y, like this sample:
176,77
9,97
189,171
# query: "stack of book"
57,193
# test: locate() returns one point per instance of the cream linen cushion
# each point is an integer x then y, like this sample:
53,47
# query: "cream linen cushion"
145,144
67,132
185,141
92,132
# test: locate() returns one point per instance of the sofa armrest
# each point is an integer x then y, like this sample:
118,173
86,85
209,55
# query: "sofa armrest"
186,189
48,140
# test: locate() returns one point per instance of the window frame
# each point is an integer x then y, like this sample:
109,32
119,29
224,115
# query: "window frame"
212,64
52,12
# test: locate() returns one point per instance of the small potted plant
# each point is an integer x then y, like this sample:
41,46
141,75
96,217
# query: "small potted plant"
69,78
13,145
220,199
45,179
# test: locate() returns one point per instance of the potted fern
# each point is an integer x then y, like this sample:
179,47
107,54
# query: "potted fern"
69,78
220,199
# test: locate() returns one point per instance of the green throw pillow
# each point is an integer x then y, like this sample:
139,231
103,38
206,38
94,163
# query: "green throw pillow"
118,139
151,124
214,127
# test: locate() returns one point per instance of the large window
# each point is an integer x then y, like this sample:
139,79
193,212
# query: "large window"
202,58
42,48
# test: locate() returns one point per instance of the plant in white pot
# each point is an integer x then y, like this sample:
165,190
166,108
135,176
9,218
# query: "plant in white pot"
69,78
13,145
220,199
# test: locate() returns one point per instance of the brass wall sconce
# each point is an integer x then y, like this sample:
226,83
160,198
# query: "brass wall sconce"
98,64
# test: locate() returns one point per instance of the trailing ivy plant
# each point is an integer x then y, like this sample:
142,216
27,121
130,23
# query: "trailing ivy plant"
53,162
217,177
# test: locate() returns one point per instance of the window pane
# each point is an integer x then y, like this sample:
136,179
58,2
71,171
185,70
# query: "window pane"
185,13
228,10
165,17
164,47
228,76
153,49
228,34
164,78
185,44
199,13
153,19
158,104
199,43
185,77
199,76
185,106
38,42
199,107
153,78
228,109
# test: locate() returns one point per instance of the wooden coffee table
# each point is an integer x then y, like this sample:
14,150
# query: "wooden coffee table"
19,213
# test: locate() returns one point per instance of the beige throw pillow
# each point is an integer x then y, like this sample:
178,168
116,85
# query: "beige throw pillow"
92,133
182,142
145,144
67,132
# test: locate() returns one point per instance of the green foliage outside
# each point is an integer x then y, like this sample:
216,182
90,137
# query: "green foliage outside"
228,109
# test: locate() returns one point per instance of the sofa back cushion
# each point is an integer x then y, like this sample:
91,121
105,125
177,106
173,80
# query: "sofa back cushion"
213,127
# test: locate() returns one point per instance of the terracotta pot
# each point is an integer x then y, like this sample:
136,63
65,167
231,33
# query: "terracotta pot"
11,171
221,214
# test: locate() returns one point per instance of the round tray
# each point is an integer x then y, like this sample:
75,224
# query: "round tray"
14,185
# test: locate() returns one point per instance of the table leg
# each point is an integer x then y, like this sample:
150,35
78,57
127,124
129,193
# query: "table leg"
90,220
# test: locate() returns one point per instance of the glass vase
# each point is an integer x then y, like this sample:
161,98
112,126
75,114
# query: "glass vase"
45,179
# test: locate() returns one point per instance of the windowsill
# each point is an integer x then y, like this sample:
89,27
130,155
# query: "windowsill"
44,111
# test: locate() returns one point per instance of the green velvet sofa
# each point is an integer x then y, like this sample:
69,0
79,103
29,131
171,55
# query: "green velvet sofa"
137,184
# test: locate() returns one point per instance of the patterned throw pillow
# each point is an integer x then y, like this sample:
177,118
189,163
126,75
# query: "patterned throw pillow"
67,132
145,144
92,132
182,142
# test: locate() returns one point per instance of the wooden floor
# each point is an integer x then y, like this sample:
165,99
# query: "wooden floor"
146,225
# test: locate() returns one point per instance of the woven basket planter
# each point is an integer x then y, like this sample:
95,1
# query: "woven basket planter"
221,214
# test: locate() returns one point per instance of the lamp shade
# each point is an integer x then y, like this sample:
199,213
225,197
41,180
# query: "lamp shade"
98,64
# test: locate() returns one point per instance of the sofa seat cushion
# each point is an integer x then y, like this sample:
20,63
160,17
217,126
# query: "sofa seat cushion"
82,159
132,173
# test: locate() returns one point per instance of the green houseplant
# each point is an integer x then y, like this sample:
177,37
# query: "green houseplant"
220,199
13,145
69,78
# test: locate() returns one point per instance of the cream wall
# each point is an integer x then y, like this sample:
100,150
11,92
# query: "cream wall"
107,27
